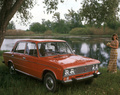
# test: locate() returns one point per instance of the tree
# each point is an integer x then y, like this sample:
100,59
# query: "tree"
74,18
51,5
56,17
11,25
48,24
9,7
37,27
111,8
59,25
7,10
96,12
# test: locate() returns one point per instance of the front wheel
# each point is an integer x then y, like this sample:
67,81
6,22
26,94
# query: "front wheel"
50,82
11,69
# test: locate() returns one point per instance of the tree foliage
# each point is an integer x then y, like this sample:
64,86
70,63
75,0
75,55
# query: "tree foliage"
24,11
96,12
9,7
51,5
48,24
7,10
56,17
11,25
59,25
37,27
74,18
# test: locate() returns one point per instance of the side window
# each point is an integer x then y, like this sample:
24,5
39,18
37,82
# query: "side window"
50,46
31,49
20,47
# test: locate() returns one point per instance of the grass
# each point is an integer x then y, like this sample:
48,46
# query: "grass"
19,84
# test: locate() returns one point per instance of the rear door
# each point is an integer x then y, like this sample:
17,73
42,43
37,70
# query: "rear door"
18,55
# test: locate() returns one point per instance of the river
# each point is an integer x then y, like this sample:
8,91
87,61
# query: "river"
86,46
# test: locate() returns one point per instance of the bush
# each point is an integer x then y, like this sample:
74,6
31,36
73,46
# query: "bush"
48,32
18,32
118,31
92,31
101,31
79,31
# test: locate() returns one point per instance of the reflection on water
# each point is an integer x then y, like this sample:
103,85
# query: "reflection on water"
84,48
8,44
90,47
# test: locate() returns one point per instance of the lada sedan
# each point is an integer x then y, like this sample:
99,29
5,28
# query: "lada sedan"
50,60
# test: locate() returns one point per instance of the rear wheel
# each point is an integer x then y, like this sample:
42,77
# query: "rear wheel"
50,82
11,69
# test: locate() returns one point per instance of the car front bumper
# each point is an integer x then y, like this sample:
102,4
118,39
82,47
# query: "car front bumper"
94,75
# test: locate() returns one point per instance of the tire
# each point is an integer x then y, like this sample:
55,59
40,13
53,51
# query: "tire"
11,69
50,82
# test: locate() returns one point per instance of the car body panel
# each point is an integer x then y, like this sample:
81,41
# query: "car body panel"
57,64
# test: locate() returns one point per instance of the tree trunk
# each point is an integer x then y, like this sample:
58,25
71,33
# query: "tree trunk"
2,33
6,13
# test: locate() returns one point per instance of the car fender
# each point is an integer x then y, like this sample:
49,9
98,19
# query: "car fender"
49,70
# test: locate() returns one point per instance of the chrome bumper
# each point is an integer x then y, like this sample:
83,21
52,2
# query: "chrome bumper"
76,79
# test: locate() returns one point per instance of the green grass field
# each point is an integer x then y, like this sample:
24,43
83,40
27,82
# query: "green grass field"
20,84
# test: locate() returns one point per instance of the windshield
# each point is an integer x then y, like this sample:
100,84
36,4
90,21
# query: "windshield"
54,48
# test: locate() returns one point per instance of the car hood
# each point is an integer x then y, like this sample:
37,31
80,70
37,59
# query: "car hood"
67,61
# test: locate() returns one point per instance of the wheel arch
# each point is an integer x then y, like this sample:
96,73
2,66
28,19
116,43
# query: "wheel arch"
46,71
10,61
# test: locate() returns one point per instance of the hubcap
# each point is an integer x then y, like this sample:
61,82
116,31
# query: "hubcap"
49,83
12,69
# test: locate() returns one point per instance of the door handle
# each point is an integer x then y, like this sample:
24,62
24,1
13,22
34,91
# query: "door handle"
23,57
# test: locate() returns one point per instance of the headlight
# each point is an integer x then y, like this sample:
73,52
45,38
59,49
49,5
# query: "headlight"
69,72
95,67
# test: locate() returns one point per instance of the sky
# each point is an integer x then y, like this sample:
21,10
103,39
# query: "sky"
38,12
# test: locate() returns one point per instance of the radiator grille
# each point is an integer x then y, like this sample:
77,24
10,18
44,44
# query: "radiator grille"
83,69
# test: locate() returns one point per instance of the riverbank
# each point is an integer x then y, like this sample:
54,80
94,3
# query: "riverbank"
75,34
58,36
19,84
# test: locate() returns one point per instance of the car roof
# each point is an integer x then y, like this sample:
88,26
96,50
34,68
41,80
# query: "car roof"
41,40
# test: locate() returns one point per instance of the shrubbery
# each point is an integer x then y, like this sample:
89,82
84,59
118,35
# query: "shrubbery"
101,31
75,31
79,31
48,32
11,32
94,31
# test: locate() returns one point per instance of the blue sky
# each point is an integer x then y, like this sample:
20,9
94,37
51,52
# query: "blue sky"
38,12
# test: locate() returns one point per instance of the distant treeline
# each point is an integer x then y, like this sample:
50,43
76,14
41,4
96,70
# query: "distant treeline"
75,31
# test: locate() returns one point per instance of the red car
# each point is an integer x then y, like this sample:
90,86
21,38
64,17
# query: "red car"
51,61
